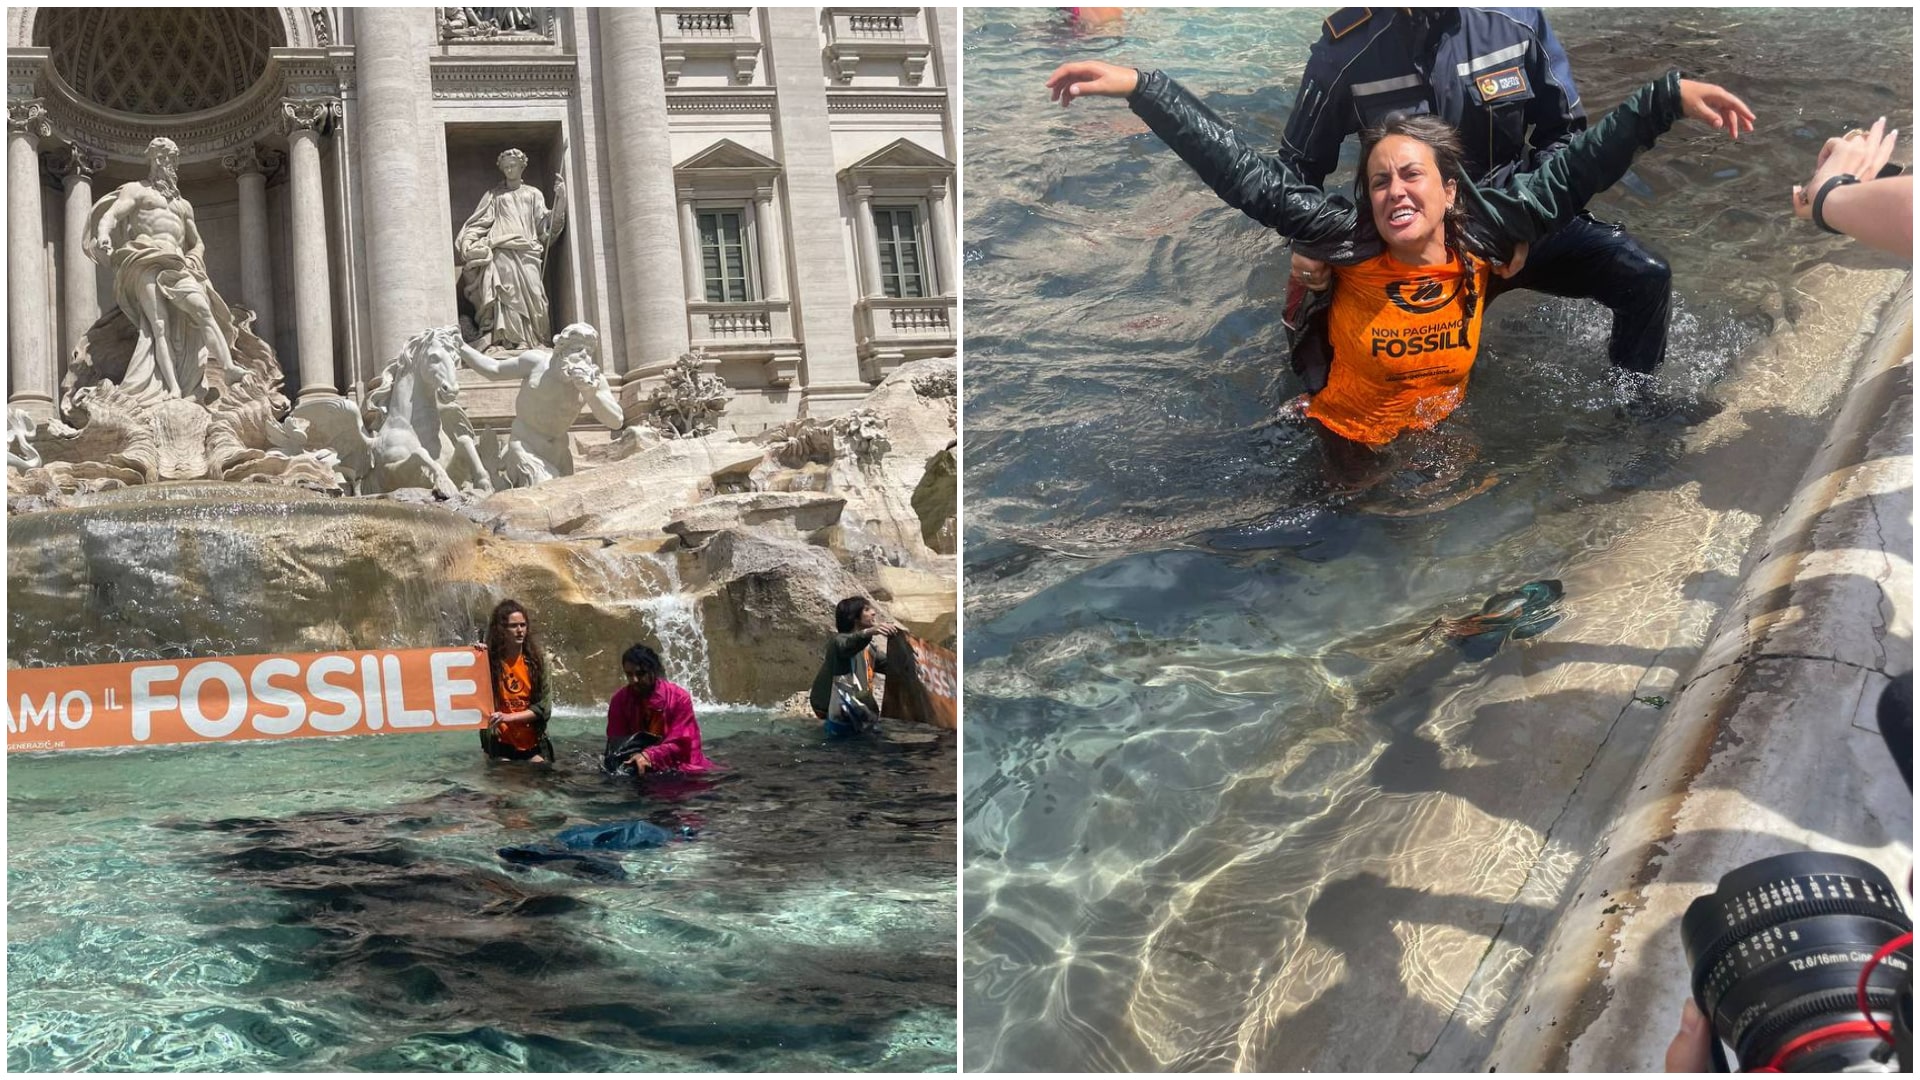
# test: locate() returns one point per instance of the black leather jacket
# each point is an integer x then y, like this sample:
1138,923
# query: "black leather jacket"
1497,75
1522,208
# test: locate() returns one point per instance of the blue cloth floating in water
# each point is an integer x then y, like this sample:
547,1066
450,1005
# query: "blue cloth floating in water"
616,836
565,851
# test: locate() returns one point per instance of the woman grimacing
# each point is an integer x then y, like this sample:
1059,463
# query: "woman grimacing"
1411,271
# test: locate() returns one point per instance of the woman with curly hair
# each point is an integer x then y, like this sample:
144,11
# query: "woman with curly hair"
522,695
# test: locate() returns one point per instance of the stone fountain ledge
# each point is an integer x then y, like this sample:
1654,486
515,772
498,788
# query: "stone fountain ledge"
1769,746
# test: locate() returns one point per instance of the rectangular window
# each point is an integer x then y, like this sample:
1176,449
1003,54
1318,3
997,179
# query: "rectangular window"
902,267
723,257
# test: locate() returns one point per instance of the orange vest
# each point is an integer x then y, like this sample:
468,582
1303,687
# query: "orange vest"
1401,351
512,693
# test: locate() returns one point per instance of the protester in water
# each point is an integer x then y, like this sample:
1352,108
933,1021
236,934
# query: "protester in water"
1848,195
522,693
650,722
1499,76
843,692
1412,271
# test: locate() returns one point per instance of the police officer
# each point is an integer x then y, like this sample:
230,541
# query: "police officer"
1501,78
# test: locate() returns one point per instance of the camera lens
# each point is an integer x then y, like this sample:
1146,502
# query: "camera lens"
1776,953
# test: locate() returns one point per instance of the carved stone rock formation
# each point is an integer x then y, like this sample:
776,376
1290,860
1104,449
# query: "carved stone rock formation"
859,436
690,401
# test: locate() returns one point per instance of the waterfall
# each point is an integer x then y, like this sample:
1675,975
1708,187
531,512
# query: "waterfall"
675,619
670,615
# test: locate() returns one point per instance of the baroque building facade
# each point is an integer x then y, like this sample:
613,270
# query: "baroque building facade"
771,188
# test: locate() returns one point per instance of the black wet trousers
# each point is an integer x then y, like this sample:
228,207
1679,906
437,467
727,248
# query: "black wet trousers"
1593,260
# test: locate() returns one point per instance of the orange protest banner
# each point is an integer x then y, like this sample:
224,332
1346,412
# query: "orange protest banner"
234,698
921,684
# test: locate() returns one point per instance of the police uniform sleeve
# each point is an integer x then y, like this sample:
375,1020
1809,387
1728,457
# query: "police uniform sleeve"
1263,186
1554,113
1321,120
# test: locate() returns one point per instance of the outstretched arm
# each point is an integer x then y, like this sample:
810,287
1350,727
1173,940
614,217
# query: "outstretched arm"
1533,204
1263,186
516,367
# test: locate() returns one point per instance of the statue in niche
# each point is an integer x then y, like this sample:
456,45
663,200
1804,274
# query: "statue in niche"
554,384
145,232
503,259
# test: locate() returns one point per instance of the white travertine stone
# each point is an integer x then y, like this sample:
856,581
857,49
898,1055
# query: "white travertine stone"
404,243
690,248
773,253
824,295
79,278
646,234
307,123
869,240
30,367
555,383
945,260
503,248
256,266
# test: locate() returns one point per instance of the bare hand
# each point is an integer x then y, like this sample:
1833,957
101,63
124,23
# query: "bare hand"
1691,1050
1311,273
1514,265
1715,107
1858,154
1083,77
640,763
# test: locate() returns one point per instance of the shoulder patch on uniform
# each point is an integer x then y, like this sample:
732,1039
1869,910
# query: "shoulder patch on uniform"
1346,21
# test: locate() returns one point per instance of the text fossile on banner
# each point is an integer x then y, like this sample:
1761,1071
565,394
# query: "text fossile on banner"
228,699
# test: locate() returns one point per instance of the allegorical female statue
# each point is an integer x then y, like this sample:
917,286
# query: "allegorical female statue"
503,257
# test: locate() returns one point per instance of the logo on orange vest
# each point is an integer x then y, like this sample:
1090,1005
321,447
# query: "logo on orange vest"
1421,296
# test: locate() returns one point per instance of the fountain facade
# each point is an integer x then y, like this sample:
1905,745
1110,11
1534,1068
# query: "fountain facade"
304,372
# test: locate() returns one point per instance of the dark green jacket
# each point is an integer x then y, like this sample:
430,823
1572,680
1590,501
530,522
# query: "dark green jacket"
1333,228
842,651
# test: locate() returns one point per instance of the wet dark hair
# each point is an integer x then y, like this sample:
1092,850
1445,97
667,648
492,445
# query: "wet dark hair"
846,613
1440,137
497,646
644,660
1448,151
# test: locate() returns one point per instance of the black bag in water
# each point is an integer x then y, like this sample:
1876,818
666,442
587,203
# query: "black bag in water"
616,761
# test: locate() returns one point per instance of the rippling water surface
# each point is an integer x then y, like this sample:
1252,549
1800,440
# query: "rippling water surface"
1219,813
339,904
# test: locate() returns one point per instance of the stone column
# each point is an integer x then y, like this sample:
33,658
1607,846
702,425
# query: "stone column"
406,239
307,123
30,362
690,248
868,241
822,287
79,279
773,251
247,165
646,230
946,258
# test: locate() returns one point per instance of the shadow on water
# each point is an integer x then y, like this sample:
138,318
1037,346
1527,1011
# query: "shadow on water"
800,917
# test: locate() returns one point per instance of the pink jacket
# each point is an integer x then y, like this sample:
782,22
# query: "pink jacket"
668,712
